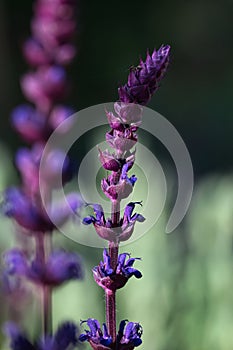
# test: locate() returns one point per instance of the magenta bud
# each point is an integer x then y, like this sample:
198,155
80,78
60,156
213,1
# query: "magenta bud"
109,161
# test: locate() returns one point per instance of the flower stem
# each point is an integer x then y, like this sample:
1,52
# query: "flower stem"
110,296
43,246
110,300
115,213
47,310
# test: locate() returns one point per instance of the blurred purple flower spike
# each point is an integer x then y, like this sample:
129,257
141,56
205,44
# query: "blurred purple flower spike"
47,51
65,338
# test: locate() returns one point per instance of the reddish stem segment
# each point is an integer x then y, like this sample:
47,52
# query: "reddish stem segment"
110,296
110,300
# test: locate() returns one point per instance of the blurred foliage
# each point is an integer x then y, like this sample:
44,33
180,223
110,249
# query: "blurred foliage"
184,300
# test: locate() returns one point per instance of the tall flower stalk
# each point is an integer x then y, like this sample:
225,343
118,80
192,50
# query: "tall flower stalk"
47,52
114,271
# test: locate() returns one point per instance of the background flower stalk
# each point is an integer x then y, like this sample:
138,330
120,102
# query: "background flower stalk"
48,52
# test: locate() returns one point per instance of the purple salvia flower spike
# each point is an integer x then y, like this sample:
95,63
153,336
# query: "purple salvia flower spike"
113,272
47,51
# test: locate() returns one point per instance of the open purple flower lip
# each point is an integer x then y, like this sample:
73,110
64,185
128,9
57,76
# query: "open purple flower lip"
106,229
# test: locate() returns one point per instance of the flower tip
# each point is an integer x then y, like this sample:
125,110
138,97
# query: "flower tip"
140,218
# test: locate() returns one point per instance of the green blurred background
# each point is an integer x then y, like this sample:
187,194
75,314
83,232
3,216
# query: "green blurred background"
185,299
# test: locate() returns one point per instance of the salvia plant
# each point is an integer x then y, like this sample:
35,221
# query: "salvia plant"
48,52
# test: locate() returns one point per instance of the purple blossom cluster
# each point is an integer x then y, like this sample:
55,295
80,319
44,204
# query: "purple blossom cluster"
128,336
112,279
